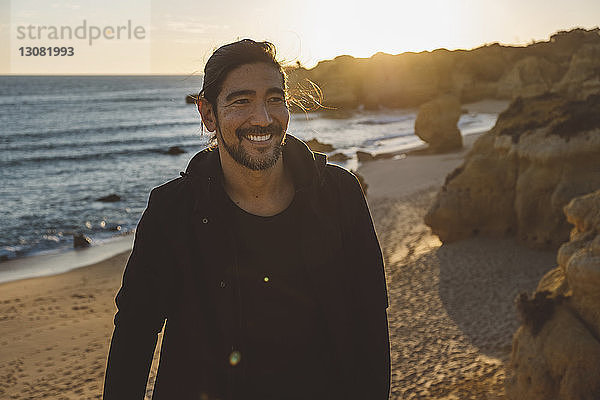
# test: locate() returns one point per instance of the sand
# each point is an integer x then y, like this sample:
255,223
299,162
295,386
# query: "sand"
451,309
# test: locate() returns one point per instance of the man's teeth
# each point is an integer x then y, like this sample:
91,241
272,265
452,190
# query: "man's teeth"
256,138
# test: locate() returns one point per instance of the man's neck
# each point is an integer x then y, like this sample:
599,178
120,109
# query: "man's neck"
264,192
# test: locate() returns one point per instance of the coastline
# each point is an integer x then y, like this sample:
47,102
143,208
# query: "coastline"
42,265
451,314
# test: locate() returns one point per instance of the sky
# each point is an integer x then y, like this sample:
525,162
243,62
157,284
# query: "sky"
178,36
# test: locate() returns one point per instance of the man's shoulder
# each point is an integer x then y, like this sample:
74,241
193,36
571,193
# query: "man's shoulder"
173,192
341,177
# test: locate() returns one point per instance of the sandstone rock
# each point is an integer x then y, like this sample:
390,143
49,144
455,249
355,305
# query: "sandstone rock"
478,197
561,362
81,241
528,77
492,71
556,353
436,124
517,178
111,198
581,259
315,145
583,76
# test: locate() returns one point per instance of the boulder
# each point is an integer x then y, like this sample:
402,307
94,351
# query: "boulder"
542,152
436,124
556,352
315,145
81,241
111,198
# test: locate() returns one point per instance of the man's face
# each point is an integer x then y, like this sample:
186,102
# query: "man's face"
252,115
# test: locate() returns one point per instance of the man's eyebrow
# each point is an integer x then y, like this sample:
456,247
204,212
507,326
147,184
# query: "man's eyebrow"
276,90
237,93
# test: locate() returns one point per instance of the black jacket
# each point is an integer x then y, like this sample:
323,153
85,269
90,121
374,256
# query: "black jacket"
181,231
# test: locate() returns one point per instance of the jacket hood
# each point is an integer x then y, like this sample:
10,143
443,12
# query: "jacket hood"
305,165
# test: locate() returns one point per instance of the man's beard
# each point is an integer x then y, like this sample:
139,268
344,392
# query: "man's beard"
271,154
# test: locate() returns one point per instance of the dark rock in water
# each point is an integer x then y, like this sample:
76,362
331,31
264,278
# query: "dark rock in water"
81,241
338,157
191,98
363,156
111,198
174,150
315,145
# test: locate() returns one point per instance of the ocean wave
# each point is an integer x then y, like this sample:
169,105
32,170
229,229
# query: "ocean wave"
386,121
92,156
50,134
159,141
36,100
372,141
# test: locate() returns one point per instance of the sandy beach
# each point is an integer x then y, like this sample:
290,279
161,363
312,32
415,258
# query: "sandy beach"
451,309
451,314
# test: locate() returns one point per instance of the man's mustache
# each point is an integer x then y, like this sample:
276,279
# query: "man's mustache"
273,129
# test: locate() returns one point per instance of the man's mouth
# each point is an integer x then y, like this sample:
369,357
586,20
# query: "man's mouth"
259,134
258,138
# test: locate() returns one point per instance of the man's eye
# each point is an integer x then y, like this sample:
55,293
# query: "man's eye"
276,100
241,101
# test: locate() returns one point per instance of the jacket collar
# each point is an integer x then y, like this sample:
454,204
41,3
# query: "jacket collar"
305,165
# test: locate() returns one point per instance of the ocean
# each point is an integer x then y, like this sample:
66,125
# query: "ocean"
67,141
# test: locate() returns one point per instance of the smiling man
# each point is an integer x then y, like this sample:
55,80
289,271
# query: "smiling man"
262,259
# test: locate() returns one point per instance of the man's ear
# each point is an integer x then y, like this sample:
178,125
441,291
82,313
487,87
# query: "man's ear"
207,112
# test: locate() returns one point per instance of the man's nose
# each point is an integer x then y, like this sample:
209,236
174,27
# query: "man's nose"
261,115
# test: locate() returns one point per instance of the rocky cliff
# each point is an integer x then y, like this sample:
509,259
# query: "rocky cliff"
568,63
542,152
556,352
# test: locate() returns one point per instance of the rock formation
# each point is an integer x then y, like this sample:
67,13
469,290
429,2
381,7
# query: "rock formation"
436,124
315,145
81,241
565,64
556,352
111,198
175,150
542,152
338,157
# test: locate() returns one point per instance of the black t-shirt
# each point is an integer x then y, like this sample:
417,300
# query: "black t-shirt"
283,350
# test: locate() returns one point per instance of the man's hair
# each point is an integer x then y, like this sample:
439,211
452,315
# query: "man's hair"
230,56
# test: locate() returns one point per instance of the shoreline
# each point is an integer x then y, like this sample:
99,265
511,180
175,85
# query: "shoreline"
451,315
43,265
66,260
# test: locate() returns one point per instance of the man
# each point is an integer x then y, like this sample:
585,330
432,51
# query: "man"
261,258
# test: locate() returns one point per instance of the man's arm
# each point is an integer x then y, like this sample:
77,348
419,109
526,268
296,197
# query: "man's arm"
370,295
141,312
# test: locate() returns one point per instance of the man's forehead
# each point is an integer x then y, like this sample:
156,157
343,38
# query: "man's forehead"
256,77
